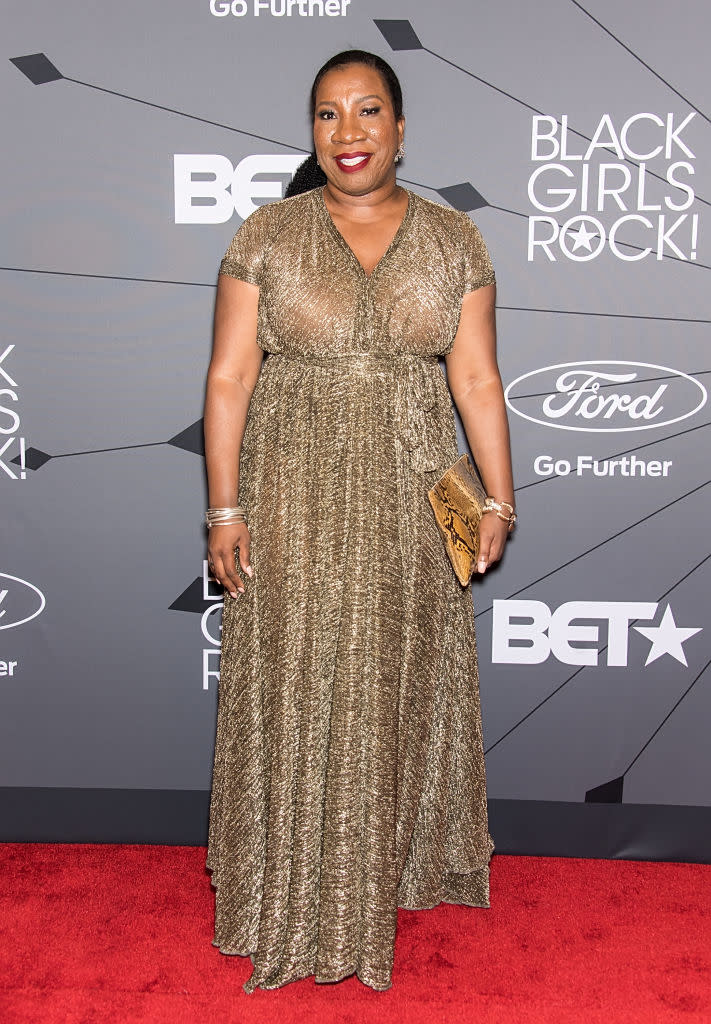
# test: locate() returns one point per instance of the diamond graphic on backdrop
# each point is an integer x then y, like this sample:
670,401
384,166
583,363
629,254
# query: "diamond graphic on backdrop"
608,793
38,68
399,34
462,197
191,439
192,599
34,459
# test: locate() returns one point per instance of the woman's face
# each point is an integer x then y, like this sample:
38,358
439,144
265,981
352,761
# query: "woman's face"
356,135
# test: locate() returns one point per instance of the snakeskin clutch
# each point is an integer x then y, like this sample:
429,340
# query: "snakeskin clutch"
457,500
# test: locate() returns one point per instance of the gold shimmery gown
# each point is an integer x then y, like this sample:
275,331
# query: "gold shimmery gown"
349,774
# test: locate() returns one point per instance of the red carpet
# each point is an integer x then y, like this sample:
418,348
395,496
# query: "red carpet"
121,934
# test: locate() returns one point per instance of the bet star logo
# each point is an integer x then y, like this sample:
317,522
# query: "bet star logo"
526,632
667,638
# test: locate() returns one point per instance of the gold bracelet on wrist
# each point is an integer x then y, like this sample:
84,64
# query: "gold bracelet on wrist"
226,516
492,505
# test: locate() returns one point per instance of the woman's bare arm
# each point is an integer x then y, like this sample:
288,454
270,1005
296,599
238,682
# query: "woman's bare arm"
231,379
475,383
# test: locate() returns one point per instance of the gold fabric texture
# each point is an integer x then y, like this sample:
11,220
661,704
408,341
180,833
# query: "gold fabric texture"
349,773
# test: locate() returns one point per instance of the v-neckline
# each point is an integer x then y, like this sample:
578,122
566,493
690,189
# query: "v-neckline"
342,241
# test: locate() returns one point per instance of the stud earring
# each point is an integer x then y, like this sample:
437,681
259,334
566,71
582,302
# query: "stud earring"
400,154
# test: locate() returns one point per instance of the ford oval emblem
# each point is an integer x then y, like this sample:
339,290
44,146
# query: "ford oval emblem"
20,601
605,396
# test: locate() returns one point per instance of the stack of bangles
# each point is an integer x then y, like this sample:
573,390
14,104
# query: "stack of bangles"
238,514
491,505
226,516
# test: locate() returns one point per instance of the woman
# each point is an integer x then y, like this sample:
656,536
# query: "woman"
349,774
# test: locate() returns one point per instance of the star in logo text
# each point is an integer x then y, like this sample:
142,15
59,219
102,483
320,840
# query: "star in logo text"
667,638
582,237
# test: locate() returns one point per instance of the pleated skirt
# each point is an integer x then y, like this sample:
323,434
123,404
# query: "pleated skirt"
348,774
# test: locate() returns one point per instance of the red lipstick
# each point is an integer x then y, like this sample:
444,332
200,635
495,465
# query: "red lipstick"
355,161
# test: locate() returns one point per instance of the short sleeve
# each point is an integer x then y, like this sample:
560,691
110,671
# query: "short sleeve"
478,268
244,258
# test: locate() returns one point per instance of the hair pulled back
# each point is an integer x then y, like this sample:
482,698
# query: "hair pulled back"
308,175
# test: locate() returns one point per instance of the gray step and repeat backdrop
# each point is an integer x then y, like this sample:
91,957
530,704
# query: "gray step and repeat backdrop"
136,137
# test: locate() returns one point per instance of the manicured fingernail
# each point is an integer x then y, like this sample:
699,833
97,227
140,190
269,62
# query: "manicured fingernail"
248,570
233,593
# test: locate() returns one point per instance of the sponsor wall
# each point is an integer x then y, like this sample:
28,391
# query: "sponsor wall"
137,137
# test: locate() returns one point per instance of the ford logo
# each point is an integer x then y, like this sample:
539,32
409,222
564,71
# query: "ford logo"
605,396
19,601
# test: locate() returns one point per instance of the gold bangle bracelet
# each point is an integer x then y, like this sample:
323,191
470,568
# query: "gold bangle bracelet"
490,505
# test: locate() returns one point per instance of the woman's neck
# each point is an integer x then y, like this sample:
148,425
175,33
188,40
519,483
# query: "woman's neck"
373,205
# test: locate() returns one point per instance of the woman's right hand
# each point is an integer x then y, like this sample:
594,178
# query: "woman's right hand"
223,544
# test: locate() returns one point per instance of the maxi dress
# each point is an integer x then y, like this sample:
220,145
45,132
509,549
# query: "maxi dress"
348,773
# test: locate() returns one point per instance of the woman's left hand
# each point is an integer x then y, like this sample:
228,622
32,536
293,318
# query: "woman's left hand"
493,533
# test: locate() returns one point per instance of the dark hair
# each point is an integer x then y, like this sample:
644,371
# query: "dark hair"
308,175
371,60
